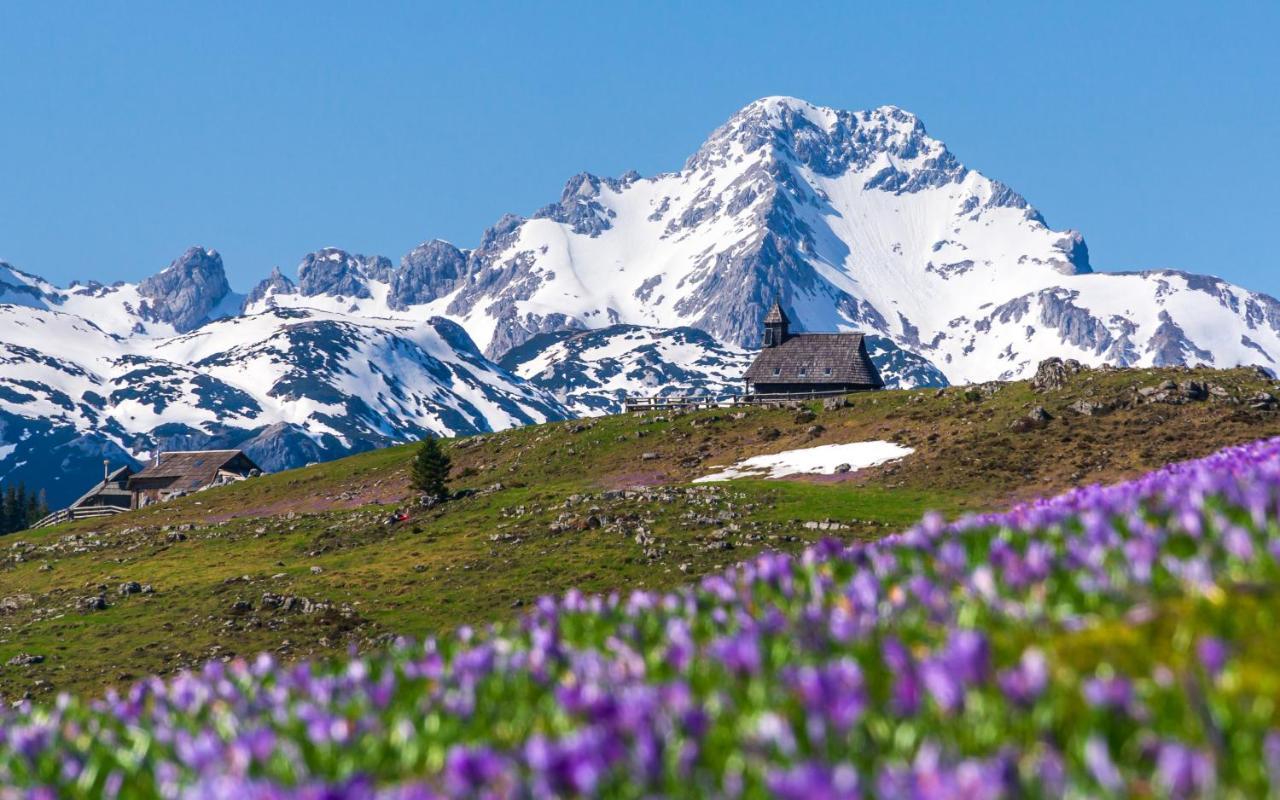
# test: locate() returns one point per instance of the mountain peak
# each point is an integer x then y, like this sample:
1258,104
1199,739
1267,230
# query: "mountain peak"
184,293
335,272
827,140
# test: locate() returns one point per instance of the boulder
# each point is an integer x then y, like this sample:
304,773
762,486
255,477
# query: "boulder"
835,403
1089,408
1052,374
1262,401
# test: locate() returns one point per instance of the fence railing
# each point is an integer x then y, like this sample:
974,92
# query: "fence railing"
69,514
693,401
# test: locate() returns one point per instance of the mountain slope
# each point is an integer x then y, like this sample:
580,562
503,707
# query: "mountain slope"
558,506
594,371
856,220
290,386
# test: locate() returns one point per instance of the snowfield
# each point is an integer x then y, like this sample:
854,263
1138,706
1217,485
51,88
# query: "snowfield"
820,460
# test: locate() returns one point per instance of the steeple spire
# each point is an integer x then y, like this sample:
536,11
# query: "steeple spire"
776,326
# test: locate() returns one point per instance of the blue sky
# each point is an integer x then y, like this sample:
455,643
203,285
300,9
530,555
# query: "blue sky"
129,131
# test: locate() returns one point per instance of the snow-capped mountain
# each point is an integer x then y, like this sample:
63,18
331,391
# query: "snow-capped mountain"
854,220
289,386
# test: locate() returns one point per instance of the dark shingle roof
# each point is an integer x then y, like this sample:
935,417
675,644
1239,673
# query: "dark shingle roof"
193,469
845,354
775,315
110,487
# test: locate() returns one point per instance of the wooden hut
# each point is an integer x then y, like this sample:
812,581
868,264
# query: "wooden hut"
180,472
809,363
113,490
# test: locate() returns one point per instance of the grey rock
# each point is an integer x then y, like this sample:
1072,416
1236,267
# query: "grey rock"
1052,374
275,283
92,603
337,273
429,271
186,291
1089,408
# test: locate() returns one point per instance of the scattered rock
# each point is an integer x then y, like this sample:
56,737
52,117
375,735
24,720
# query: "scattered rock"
649,456
24,660
316,570
130,587
1052,374
835,403
1089,408
805,417
842,469
92,603
1037,418
1262,401
8,605
814,430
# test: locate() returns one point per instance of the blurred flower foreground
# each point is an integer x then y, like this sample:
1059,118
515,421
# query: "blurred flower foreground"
1114,641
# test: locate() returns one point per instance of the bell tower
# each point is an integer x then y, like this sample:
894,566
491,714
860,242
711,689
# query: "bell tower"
776,326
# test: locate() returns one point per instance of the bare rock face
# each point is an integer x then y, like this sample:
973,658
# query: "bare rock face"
429,271
1052,374
337,273
275,283
186,291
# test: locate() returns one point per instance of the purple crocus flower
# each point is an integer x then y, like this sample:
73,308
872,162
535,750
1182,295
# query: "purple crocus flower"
814,781
1024,683
1213,653
1183,772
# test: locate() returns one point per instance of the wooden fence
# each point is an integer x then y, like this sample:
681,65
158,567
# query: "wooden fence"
69,514
694,401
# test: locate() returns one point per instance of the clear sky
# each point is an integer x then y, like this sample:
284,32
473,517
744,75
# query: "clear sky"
129,131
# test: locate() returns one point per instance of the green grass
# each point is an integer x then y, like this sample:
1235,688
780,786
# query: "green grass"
319,533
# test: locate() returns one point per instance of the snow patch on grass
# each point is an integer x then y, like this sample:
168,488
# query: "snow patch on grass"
821,460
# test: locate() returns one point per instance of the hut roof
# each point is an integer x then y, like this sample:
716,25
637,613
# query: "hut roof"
807,357
113,485
194,469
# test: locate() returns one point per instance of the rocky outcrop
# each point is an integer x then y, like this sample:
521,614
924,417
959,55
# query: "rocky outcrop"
275,283
1170,346
427,272
1053,374
186,291
337,273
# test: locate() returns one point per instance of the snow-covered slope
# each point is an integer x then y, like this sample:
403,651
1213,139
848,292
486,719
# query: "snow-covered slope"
856,220
592,372
288,385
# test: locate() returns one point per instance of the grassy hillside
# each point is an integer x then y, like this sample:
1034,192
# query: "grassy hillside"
313,560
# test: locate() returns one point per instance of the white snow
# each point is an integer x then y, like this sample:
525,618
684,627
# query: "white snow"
820,460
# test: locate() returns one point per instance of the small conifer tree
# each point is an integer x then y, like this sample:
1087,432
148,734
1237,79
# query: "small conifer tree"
431,469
